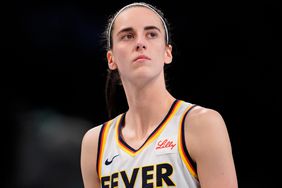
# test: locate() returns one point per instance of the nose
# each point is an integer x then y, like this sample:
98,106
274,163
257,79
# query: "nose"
140,45
141,42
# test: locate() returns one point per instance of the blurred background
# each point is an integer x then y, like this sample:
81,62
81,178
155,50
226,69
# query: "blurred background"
226,57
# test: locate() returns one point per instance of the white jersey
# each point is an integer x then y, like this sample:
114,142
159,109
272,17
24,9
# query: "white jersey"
162,161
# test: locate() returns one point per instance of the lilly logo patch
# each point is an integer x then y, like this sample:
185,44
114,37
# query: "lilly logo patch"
165,145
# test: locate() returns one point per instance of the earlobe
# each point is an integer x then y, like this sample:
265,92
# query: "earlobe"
111,64
168,54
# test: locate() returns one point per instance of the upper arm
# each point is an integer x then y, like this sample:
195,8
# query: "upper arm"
208,143
88,160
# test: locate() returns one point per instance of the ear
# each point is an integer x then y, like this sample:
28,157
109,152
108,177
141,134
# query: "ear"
111,63
168,54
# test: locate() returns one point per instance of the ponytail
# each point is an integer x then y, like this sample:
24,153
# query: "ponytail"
112,84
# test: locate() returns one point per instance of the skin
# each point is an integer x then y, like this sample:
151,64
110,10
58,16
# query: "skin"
139,32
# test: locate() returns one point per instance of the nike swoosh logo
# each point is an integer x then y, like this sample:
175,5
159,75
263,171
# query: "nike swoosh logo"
107,162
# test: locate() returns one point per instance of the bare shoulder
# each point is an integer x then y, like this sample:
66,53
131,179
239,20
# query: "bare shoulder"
90,138
92,134
89,149
202,113
204,129
208,144
201,118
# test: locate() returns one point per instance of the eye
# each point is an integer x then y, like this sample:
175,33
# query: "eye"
152,34
127,36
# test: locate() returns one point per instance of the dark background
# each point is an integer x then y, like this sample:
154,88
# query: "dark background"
226,57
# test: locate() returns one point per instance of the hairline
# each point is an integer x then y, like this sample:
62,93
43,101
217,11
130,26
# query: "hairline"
135,5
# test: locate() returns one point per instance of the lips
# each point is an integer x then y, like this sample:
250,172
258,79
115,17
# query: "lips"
141,58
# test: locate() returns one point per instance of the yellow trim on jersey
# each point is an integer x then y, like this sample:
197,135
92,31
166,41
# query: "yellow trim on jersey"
181,147
152,138
102,146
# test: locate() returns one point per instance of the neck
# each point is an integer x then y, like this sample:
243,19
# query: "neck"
147,107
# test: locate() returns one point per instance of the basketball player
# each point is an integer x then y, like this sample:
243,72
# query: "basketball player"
160,141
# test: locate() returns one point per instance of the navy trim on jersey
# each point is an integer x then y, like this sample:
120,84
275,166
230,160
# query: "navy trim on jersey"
99,147
194,165
121,124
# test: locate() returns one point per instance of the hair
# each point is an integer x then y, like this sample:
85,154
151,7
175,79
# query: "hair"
113,78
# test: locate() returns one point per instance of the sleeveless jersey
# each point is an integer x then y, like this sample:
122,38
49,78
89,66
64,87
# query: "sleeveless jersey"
162,161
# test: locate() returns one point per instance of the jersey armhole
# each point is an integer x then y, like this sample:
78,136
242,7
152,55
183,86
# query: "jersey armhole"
99,155
187,159
101,145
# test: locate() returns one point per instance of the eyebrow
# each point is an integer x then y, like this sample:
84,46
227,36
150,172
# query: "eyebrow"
127,29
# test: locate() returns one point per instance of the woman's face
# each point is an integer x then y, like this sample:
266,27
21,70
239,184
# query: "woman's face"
139,49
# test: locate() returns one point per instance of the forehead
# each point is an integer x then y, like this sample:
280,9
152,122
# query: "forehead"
137,16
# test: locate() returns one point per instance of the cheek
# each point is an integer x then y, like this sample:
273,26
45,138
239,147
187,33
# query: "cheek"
121,52
121,56
160,52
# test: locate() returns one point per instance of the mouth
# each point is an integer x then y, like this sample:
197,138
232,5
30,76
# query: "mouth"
141,58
